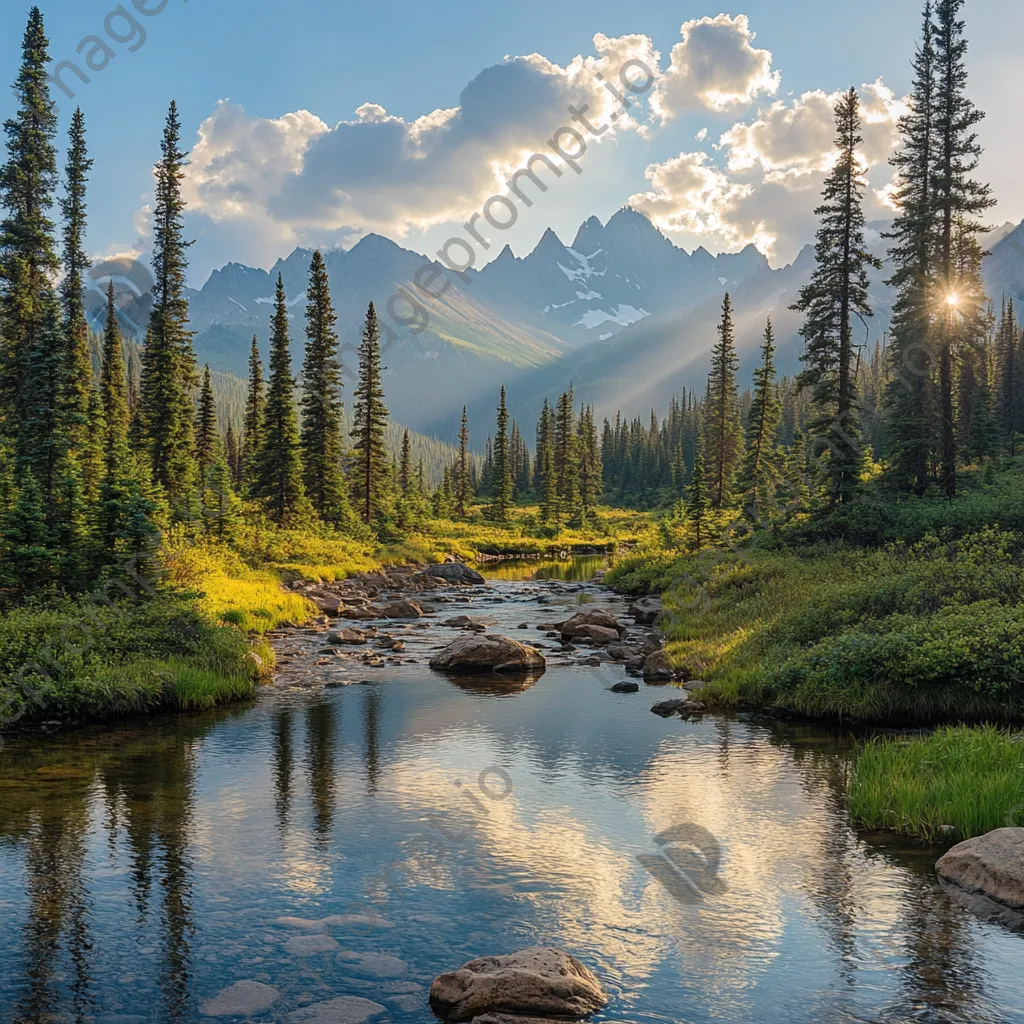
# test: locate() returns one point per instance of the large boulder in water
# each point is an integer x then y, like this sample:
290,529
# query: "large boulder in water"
540,981
579,624
403,609
454,572
488,653
991,865
658,668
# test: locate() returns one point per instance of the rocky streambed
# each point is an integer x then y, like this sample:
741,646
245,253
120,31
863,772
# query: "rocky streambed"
450,617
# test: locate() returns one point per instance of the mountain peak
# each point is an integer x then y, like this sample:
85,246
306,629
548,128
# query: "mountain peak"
588,238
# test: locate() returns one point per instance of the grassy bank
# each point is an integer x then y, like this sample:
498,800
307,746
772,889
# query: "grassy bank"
75,660
924,632
200,643
969,778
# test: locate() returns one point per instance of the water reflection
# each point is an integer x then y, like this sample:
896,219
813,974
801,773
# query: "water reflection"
144,870
577,569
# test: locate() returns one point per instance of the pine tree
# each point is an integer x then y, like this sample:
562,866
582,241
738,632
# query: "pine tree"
463,491
29,563
370,469
405,474
910,407
958,201
591,469
78,384
724,433
278,472
501,480
28,258
760,475
126,516
321,402
206,428
699,505
233,455
547,478
837,292
566,458
252,441
168,363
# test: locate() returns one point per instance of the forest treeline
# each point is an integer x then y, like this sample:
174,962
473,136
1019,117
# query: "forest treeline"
95,467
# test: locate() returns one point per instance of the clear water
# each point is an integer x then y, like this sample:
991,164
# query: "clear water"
582,567
145,868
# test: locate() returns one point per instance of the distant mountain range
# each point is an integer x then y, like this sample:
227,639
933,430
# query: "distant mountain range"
622,313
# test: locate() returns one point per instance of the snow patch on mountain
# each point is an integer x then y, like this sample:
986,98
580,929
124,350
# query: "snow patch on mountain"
624,315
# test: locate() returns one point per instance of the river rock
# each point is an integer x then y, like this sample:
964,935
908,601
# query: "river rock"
991,865
461,622
668,708
350,637
540,980
598,634
646,610
658,668
329,603
454,572
342,1010
404,609
473,653
361,611
585,618
243,999
625,687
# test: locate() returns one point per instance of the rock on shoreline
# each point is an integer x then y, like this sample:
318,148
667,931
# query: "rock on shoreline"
989,866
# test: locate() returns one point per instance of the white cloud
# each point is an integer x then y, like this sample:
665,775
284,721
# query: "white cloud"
774,169
790,140
279,182
715,66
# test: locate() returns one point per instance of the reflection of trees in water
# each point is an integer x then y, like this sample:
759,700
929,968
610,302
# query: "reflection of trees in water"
371,723
282,726
156,789
321,736
939,972
58,913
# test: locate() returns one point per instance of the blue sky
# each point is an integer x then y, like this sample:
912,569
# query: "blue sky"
272,60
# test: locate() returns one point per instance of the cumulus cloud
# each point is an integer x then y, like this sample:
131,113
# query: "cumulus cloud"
295,176
792,140
774,167
715,66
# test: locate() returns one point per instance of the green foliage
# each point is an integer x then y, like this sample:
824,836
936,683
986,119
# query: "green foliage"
723,436
321,403
969,778
168,362
84,660
278,477
370,463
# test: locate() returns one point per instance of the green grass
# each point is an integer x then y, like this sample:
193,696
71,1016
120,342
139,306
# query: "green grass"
928,632
74,661
969,778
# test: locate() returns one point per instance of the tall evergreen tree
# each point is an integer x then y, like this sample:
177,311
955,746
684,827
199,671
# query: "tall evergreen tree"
206,428
591,469
724,432
501,480
252,440
406,481
168,363
837,292
959,200
699,505
547,478
321,401
78,384
370,470
910,406
463,488
760,474
278,476
28,258
566,457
